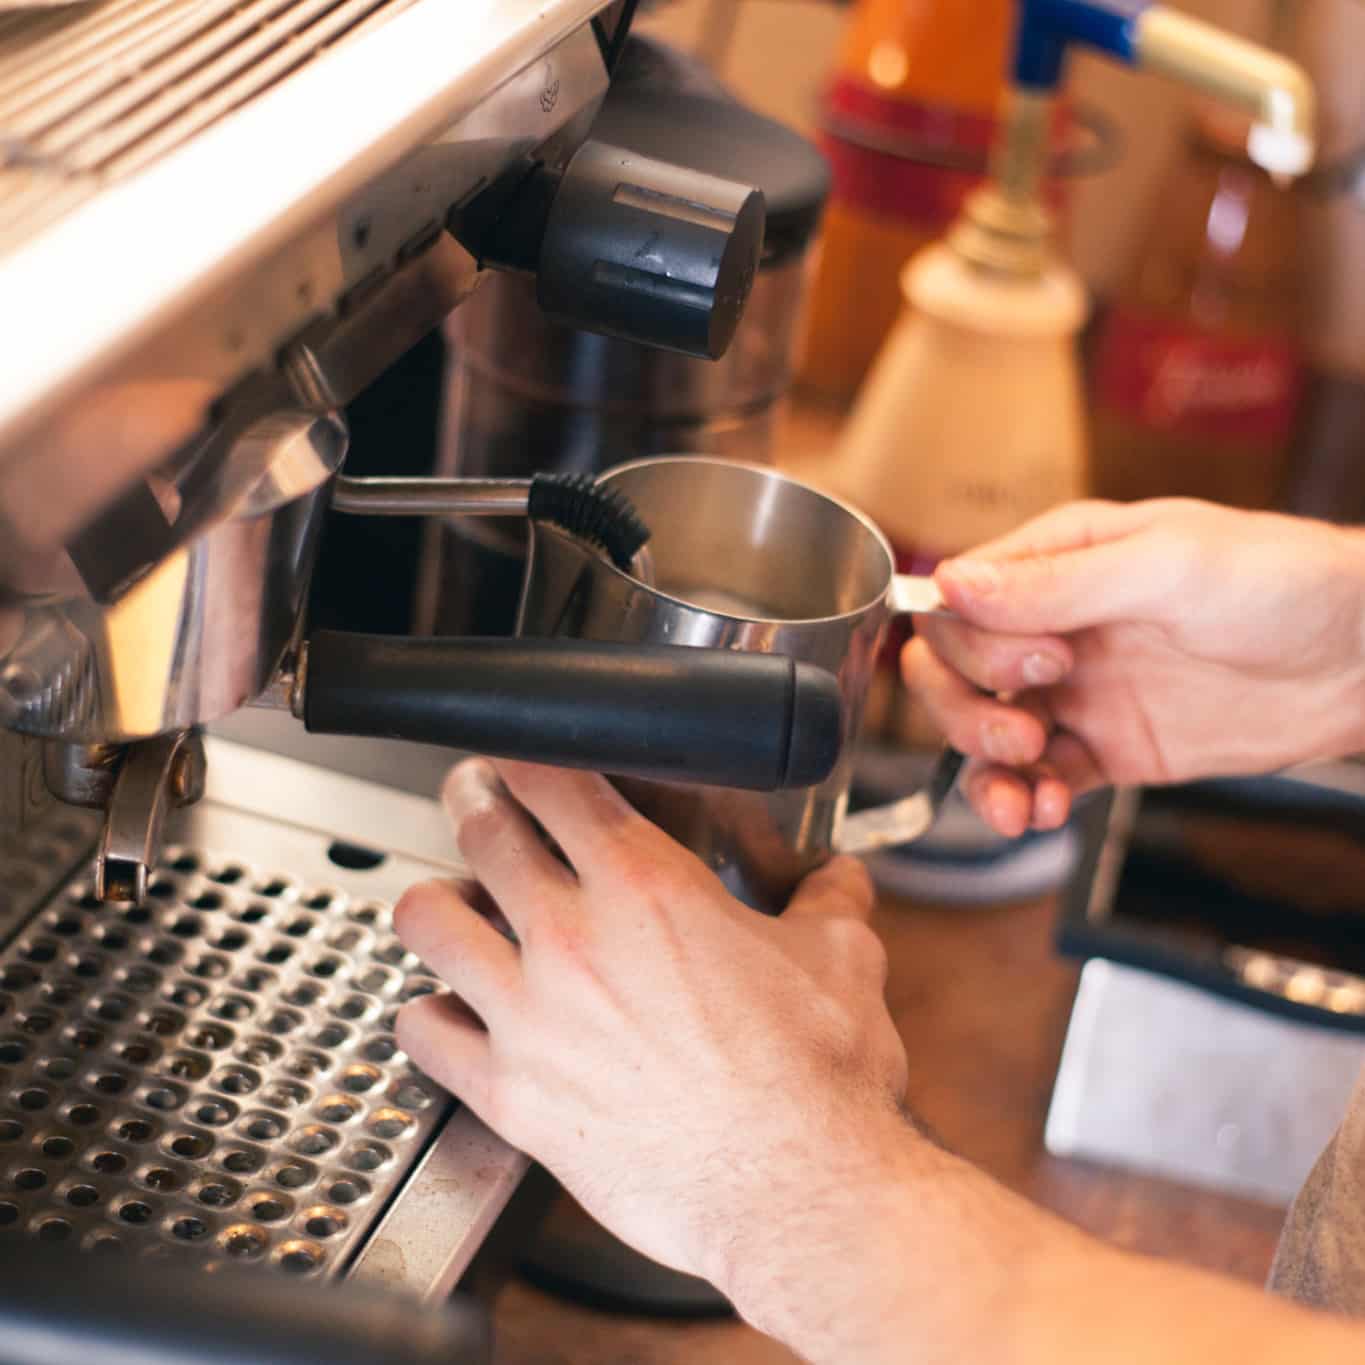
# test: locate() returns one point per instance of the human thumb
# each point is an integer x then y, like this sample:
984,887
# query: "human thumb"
1055,593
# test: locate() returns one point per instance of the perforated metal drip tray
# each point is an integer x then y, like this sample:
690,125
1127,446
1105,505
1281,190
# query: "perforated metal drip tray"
212,1074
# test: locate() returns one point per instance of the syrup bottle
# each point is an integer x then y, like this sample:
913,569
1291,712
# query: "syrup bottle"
1197,374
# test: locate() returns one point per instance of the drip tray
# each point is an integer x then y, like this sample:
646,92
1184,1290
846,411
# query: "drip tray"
212,1074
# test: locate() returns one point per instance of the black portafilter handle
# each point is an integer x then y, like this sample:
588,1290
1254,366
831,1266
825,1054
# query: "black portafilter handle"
64,1305
666,712
625,245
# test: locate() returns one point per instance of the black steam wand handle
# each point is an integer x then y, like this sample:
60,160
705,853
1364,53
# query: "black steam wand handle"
667,712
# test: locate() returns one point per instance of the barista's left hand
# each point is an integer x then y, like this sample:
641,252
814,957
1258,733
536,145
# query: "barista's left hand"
697,1075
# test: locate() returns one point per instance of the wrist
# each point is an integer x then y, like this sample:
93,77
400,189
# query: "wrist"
819,1266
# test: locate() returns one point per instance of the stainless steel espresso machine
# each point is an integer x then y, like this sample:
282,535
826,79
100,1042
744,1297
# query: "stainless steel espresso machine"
220,220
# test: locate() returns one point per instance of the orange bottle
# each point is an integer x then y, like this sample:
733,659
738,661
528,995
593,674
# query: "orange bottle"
908,121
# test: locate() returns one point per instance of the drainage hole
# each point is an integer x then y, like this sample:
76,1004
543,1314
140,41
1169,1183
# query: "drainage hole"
390,1123
217,1195
212,1036
331,1035
314,1141
238,1082
324,1222
300,1257
216,1113
265,1128
260,1051
368,1156
282,1021
348,1191
359,1079
244,1242
354,857
380,1049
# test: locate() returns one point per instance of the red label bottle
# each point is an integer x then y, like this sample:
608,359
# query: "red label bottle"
1197,374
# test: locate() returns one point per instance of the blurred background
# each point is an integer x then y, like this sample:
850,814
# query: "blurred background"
780,55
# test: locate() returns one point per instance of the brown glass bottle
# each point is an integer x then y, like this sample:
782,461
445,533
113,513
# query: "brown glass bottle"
1197,375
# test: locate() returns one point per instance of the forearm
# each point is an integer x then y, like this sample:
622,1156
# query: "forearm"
934,1262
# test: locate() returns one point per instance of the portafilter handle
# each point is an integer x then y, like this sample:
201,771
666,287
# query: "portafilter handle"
665,712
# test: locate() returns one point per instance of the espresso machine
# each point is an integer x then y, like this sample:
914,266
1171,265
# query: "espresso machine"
220,221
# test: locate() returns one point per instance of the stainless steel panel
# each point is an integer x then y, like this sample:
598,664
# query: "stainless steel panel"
114,85
197,268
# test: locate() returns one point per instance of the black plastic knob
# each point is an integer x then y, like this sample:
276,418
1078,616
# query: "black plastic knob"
649,251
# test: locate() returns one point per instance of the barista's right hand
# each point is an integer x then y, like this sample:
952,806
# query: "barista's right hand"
1143,643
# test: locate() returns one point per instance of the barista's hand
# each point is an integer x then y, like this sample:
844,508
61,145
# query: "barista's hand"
1143,643
697,1075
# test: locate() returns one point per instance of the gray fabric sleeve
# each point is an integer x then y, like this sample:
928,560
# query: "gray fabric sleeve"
1321,1256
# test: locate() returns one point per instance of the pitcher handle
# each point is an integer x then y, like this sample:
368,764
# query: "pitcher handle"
913,816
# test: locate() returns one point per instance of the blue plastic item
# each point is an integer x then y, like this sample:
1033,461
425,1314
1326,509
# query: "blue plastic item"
1047,28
